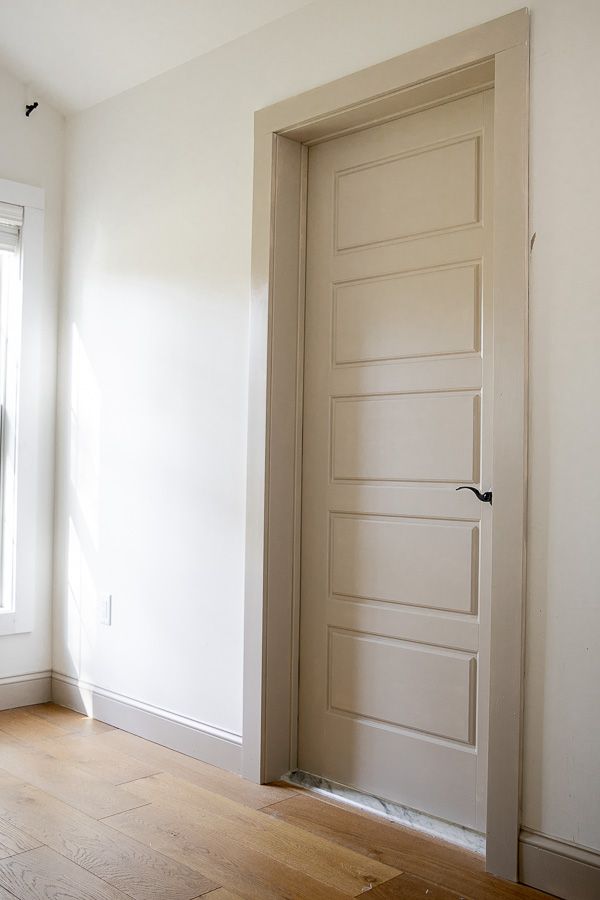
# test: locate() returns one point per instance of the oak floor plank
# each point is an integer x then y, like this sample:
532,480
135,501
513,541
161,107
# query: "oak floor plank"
210,777
37,766
202,844
44,875
70,721
327,862
409,887
13,840
193,831
137,870
372,835
101,762
403,848
221,894
26,727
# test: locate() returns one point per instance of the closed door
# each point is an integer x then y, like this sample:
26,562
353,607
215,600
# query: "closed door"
395,579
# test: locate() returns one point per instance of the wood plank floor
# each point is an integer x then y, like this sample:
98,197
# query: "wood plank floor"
89,812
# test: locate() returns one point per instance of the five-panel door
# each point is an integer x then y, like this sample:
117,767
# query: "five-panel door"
395,574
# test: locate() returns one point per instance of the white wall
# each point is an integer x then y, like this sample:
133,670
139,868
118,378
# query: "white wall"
154,341
31,151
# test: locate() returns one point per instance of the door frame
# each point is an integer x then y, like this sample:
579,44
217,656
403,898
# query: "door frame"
495,54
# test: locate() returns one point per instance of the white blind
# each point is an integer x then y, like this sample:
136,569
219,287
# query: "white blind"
11,221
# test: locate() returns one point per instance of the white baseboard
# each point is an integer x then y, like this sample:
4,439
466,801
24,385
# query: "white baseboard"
25,690
203,742
560,868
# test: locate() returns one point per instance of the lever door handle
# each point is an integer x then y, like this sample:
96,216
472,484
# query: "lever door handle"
486,497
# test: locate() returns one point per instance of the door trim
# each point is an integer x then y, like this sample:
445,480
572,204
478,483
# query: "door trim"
494,54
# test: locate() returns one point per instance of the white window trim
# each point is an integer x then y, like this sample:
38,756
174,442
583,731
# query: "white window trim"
19,618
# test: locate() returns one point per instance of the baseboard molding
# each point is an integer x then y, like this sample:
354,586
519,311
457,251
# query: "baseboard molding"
203,742
560,868
25,690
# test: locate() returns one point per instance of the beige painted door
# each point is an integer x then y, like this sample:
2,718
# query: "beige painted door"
395,581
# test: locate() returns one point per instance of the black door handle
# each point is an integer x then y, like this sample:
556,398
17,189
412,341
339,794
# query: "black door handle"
486,497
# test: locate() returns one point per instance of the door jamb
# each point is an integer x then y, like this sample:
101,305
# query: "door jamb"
455,66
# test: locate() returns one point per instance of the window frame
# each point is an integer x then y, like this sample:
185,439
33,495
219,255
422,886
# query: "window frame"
18,617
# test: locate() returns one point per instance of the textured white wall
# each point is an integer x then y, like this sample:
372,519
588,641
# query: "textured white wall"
153,349
31,151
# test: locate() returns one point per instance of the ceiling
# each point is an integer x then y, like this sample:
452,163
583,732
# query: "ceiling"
79,52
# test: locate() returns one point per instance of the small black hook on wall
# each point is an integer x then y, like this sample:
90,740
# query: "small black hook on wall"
29,108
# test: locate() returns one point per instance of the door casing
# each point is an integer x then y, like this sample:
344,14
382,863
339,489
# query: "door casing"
495,54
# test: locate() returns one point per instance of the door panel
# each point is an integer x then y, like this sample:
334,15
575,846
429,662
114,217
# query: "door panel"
429,313
402,684
389,559
395,568
410,437
424,191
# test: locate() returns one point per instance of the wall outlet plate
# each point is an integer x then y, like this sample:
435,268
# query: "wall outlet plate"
105,610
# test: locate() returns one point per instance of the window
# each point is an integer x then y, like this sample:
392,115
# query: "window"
11,223
21,230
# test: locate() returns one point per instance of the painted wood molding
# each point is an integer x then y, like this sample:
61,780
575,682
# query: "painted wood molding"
25,690
560,868
197,739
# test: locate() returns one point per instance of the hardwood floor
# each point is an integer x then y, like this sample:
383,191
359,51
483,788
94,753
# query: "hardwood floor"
89,812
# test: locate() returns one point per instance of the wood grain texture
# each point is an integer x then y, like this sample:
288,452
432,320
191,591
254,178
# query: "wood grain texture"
222,894
68,720
201,774
135,869
411,888
91,795
105,763
13,840
330,864
202,844
23,726
201,832
407,850
44,875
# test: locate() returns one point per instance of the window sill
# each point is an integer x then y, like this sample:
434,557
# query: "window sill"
12,623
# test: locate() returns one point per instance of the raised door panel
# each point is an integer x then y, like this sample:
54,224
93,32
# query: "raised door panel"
413,562
400,316
424,191
406,685
407,437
